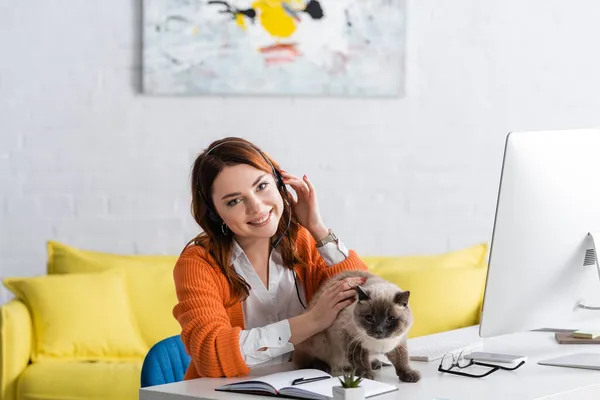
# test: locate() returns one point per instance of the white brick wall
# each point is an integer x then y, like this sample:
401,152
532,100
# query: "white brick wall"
87,160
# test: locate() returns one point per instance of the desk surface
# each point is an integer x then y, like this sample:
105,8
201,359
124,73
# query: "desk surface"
531,381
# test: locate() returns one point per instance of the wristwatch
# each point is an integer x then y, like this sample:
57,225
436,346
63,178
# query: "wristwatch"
329,238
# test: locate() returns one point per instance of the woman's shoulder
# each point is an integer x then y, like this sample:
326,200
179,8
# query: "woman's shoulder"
192,250
197,256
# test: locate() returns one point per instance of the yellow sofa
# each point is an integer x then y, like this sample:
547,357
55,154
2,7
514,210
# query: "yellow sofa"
82,330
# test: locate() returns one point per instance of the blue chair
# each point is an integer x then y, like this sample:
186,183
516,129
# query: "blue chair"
166,362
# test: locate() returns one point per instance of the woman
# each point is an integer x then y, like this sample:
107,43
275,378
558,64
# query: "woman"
243,284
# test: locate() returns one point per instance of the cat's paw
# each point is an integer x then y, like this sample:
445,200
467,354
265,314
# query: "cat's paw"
411,375
376,364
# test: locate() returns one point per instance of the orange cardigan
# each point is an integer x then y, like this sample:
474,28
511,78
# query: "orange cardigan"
210,332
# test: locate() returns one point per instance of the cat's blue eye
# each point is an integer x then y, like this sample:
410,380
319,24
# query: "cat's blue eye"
369,318
391,320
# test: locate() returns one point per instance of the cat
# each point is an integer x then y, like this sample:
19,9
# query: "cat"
377,323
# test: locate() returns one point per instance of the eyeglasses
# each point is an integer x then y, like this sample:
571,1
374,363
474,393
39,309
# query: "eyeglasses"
462,361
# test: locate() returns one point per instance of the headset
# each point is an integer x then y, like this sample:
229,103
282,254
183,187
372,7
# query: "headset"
213,215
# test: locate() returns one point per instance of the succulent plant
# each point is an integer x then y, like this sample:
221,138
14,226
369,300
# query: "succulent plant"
350,380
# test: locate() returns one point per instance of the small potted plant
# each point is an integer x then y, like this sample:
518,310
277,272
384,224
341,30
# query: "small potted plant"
350,389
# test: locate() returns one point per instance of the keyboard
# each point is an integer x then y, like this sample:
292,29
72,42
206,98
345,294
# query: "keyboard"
437,350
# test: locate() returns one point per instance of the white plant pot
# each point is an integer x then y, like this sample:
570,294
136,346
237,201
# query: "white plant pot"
341,393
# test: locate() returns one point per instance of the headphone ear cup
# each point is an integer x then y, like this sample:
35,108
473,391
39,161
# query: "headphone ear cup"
279,179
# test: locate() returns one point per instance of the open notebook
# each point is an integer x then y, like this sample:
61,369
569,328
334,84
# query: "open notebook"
280,384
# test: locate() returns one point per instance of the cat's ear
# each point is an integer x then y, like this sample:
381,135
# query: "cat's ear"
362,294
401,298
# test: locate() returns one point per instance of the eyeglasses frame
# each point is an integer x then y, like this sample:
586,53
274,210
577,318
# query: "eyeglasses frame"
471,362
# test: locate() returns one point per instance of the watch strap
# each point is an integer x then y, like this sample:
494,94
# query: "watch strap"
327,239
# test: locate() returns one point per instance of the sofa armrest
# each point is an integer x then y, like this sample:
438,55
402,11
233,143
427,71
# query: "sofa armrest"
16,336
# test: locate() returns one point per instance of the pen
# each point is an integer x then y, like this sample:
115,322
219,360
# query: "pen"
300,381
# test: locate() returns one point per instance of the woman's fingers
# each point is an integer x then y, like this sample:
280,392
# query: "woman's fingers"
351,283
342,296
299,185
333,289
345,285
344,289
339,306
311,189
348,284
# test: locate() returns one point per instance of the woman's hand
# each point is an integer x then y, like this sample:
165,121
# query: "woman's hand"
333,299
305,206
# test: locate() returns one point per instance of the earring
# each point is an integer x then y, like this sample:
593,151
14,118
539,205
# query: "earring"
224,229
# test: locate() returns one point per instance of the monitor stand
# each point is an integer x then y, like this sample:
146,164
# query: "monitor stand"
588,360
591,258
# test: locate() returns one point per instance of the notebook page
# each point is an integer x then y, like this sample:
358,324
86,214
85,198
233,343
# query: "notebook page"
373,388
324,388
283,379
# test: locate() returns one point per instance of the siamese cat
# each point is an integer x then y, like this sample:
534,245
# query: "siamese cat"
376,324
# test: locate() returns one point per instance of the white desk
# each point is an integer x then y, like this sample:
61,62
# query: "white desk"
530,381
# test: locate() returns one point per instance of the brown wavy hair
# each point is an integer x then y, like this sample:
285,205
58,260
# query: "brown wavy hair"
226,152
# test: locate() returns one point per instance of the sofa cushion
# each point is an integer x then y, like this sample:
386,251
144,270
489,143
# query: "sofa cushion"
149,283
52,380
15,345
446,290
80,316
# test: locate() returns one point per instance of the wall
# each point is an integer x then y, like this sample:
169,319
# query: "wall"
86,159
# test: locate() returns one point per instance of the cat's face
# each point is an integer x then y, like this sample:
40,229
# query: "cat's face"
385,316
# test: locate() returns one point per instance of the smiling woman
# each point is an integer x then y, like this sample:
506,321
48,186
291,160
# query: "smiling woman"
243,283
254,212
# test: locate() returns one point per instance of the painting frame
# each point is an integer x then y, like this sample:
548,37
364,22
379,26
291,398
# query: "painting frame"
350,48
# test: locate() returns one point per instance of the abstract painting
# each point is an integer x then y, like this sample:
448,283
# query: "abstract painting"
274,47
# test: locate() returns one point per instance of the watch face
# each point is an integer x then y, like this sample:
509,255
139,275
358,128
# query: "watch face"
329,238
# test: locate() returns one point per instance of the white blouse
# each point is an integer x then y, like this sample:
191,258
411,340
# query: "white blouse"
266,312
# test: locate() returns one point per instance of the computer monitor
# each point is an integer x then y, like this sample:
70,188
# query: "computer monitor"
542,265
